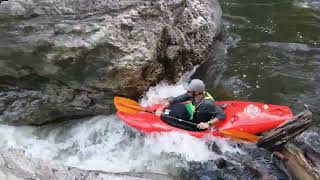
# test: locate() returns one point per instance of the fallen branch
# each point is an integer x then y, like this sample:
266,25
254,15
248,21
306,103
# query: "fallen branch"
277,138
296,165
288,157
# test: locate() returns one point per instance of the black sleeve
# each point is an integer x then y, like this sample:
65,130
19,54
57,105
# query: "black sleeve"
214,110
181,98
220,113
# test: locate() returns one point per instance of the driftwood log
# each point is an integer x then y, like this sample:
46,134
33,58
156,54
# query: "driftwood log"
277,138
296,163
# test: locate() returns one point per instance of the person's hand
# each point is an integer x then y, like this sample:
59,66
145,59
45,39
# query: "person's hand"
159,112
203,125
215,120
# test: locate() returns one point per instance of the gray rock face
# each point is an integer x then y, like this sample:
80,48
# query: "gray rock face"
62,59
14,165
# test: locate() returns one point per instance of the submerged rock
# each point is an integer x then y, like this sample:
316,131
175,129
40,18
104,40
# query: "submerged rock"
67,59
15,165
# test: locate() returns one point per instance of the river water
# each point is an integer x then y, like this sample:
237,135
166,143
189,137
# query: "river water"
270,52
106,143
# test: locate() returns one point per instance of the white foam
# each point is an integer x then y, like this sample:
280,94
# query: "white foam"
190,148
302,4
106,143
161,92
164,90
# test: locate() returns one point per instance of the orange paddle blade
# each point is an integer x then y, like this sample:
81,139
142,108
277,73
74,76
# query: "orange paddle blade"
240,135
127,105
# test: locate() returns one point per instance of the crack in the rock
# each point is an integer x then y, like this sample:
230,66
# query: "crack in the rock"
2,1
6,164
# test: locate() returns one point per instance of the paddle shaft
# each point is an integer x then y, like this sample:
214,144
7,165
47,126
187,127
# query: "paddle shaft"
180,120
252,138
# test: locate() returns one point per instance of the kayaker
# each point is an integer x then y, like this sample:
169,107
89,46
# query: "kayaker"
201,105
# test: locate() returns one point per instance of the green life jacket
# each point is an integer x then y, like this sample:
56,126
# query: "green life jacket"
192,108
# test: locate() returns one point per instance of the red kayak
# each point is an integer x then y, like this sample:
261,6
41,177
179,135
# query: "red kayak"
249,117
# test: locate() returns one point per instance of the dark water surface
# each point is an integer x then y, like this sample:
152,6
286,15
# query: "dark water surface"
270,53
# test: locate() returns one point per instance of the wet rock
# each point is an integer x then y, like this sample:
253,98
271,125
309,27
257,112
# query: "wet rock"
214,147
221,163
237,166
64,59
15,165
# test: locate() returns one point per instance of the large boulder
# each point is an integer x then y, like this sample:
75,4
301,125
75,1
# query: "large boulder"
62,59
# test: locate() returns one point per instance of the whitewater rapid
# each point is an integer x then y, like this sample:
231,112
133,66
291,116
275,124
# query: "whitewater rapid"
106,143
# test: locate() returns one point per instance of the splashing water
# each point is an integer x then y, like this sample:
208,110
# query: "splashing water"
163,90
106,143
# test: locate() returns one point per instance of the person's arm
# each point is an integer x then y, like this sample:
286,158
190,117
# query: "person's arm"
206,125
213,121
181,98
160,110
217,115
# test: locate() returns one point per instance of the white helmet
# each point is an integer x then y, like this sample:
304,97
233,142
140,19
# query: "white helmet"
195,85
